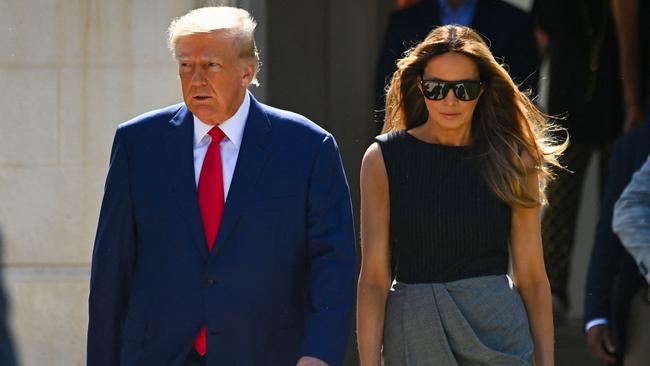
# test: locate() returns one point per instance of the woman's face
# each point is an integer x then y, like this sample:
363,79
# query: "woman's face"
451,114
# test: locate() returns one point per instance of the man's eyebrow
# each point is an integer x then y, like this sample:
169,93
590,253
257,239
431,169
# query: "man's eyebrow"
202,58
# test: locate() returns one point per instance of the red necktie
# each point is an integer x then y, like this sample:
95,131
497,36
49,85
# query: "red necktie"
211,199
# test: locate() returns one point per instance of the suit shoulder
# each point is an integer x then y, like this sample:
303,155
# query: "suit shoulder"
294,124
150,120
635,142
637,135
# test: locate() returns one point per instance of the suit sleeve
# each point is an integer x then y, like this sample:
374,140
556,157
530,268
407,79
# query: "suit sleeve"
113,256
332,258
632,219
606,252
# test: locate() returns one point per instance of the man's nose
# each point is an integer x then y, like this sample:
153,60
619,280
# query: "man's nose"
198,76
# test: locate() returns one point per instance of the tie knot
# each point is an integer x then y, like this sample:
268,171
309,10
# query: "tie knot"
217,134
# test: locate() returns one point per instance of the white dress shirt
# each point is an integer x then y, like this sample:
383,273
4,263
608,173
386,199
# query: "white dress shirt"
597,321
233,128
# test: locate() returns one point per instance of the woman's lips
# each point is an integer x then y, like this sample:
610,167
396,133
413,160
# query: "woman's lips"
450,115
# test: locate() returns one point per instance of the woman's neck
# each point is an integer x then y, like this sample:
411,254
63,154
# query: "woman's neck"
429,133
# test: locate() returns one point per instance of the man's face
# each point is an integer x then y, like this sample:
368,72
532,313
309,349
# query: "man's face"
213,77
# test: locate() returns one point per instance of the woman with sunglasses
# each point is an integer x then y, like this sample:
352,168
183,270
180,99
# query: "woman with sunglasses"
447,193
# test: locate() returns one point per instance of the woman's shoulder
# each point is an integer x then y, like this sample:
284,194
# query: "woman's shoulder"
390,137
386,149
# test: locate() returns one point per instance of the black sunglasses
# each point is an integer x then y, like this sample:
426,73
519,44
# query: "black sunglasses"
465,90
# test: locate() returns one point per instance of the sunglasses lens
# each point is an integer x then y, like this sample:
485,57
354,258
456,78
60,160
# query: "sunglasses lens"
464,90
467,90
434,90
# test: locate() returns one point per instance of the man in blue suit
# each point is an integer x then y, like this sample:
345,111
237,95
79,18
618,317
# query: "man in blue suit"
225,235
613,277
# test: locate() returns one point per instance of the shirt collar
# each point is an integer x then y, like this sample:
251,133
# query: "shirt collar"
233,127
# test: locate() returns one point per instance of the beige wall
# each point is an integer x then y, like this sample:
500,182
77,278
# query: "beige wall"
70,71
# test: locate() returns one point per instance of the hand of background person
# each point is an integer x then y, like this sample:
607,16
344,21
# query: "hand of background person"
633,117
543,40
310,361
600,343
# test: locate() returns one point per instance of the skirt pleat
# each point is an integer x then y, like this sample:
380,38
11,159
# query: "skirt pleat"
477,321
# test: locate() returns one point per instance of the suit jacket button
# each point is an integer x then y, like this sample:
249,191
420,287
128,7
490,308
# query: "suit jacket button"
210,282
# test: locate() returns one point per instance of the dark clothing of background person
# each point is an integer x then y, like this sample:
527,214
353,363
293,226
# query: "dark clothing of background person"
508,30
584,88
644,54
7,355
613,275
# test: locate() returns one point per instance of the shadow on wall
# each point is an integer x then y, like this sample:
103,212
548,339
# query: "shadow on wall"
7,355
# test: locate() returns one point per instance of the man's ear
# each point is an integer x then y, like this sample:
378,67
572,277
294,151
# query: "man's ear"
248,72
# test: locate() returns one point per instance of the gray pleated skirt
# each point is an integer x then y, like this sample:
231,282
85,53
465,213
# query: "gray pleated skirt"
475,321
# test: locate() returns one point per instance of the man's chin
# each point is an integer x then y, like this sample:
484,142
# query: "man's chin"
202,112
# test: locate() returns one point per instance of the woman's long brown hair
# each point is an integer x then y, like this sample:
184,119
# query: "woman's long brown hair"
506,125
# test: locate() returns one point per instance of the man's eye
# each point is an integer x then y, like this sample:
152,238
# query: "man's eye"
213,64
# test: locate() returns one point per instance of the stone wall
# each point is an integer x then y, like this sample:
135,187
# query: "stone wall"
71,71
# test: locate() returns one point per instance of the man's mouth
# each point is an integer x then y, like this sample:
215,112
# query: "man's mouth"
201,97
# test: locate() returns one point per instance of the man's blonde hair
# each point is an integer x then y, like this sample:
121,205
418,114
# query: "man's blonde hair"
238,24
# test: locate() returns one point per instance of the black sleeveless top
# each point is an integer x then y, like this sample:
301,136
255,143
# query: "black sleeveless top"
446,224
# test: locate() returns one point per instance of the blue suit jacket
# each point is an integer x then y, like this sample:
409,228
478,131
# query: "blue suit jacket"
279,283
613,276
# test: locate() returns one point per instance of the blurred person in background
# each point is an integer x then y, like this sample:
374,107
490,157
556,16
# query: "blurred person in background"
7,355
632,224
630,18
585,89
507,30
613,277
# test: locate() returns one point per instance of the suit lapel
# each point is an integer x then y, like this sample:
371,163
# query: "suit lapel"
179,144
253,155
